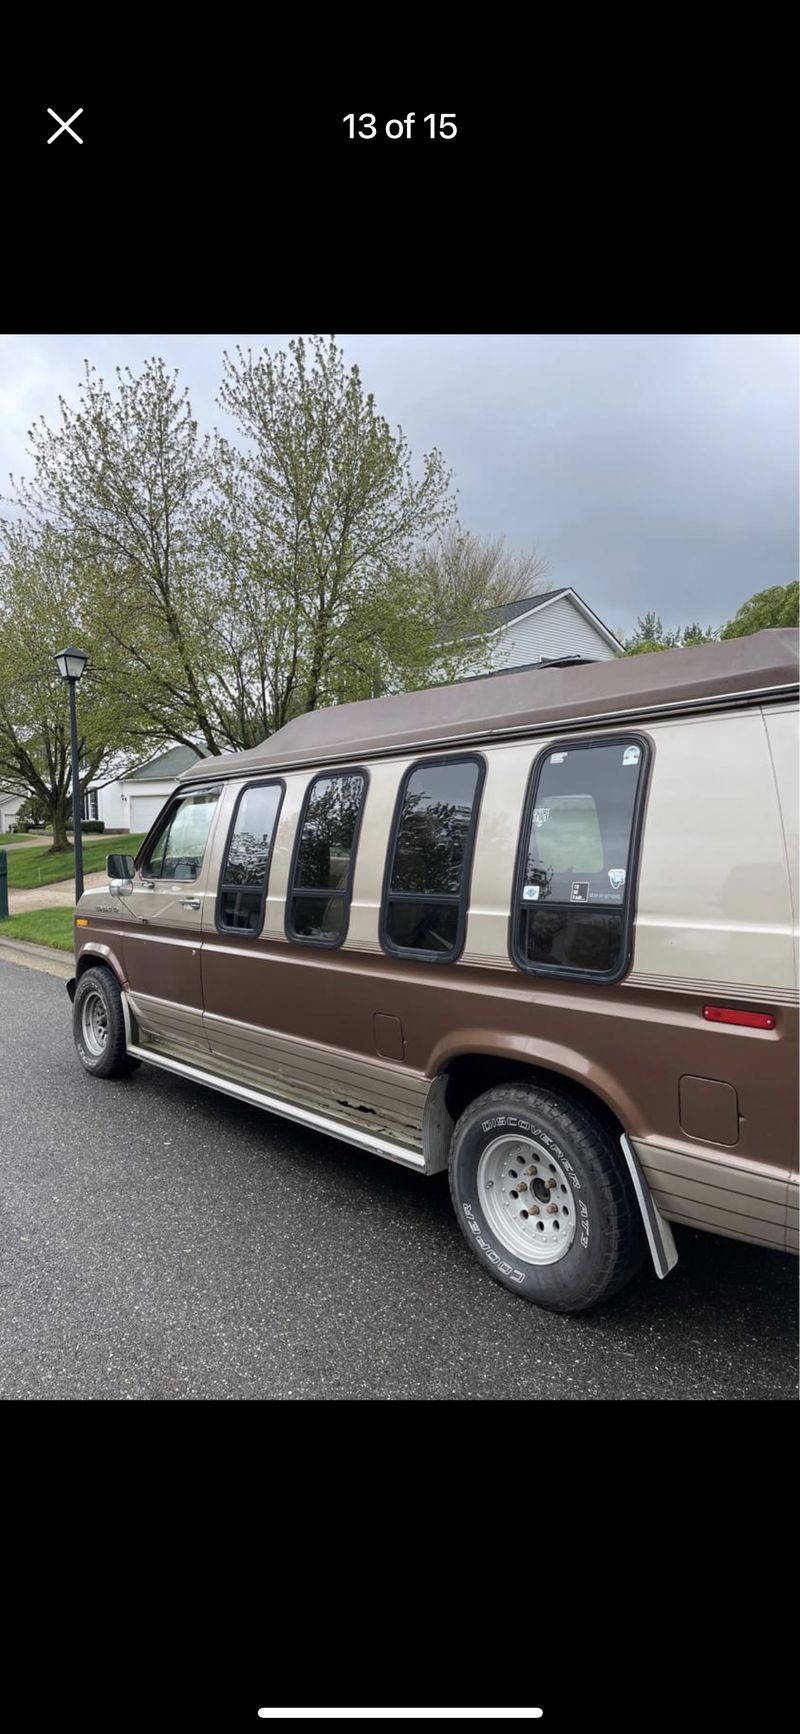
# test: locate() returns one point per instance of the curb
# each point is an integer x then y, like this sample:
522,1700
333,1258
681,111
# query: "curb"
41,956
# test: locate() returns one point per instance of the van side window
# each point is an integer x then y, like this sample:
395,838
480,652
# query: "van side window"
322,873
573,894
427,879
178,850
245,871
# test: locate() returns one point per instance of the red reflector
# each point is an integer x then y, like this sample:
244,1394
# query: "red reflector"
721,1014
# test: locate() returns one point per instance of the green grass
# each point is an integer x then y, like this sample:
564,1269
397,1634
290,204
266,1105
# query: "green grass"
28,868
41,927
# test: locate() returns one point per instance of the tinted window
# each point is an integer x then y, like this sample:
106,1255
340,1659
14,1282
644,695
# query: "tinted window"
427,880
243,883
324,861
179,849
576,864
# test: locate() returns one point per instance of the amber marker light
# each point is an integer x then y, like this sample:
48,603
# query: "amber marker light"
81,921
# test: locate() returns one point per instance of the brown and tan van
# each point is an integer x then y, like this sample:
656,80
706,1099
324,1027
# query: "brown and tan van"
538,927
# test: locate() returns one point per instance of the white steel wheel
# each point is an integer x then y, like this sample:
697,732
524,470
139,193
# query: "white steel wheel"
527,1199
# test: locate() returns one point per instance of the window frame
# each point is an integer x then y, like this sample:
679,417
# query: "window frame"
463,897
164,819
346,893
572,744
248,932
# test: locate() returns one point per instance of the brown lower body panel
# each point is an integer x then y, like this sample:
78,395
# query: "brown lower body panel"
721,1196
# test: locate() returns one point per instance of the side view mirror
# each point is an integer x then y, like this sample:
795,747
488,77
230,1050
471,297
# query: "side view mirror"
120,869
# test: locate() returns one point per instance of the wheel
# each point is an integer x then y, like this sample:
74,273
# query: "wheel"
99,1026
543,1198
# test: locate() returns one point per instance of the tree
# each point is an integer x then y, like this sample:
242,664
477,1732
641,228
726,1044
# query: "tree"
319,519
120,479
651,635
40,612
775,607
462,577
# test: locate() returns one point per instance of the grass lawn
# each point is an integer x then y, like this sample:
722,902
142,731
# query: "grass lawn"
41,927
28,868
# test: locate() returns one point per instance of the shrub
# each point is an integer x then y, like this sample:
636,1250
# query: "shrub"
93,825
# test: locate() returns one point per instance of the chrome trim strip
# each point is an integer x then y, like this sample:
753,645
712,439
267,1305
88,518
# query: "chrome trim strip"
660,1238
288,1111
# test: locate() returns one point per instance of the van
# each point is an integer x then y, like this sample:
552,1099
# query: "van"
537,928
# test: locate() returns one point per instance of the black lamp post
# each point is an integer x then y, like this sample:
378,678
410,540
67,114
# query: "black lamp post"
70,665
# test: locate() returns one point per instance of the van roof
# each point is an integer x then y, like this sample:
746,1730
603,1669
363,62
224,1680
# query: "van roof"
535,700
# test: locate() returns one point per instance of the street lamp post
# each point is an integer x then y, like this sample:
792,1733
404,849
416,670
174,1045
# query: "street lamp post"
70,665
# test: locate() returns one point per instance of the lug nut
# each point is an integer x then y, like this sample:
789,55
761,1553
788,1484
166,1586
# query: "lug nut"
522,1185
534,1210
532,1170
552,1209
552,1183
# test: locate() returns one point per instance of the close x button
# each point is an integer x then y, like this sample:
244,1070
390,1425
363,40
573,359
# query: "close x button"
65,126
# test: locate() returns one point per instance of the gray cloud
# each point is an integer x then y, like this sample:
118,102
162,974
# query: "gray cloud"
654,471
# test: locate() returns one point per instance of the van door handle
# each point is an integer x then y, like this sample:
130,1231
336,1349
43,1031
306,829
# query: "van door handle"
190,903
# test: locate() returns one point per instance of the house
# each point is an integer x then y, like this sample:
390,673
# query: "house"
9,808
132,802
553,624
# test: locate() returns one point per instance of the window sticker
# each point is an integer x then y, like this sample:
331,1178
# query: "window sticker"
541,815
557,758
631,755
617,877
530,893
580,891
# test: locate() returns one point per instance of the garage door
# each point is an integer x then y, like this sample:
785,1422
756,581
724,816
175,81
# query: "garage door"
144,810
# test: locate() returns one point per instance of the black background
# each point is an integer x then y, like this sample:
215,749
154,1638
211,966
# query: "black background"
605,175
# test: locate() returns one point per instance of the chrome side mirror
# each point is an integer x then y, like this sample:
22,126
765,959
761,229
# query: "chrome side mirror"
120,870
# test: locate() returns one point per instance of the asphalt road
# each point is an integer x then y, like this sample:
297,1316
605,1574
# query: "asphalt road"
161,1241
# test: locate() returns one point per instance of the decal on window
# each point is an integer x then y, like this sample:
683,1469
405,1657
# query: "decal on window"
530,893
617,877
631,756
580,891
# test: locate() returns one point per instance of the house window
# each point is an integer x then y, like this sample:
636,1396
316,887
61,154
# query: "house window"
89,804
574,881
427,882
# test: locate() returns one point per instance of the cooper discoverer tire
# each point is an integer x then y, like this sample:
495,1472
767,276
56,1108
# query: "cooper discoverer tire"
98,1026
543,1198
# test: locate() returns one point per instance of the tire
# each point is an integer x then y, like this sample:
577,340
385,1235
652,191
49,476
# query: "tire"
98,1026
565,1256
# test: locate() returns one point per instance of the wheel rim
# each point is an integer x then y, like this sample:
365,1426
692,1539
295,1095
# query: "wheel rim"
94,1024
527,1199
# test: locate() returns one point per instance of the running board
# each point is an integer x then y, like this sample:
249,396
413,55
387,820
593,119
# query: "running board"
274,1105
660,1238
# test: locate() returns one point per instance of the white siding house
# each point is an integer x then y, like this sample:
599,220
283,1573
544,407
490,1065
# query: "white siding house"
133,801
555,624
9,808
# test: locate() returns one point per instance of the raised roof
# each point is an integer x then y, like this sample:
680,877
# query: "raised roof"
538,699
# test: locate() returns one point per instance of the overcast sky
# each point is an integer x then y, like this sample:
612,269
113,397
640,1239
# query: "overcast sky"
653,471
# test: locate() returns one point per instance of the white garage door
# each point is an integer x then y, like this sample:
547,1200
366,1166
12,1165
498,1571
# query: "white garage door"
144,809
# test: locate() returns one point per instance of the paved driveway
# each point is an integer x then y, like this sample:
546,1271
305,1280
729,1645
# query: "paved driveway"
161,1241
61,895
